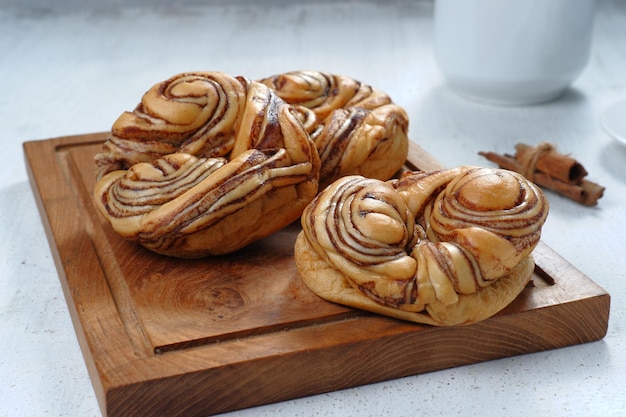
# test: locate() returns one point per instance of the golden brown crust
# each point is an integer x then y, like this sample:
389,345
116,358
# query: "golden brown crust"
453,245
358,129
244,168
251,155
332,285
193,112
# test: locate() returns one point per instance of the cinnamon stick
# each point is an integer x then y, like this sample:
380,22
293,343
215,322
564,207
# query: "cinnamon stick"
582,191
552,163
592,192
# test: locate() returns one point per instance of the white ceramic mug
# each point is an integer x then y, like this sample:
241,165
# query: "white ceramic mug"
512,52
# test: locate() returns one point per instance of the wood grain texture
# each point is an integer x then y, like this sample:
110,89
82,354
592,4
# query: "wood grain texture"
164,336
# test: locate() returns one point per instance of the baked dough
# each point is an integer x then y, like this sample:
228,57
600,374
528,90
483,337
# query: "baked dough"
357,129
449,247
206,164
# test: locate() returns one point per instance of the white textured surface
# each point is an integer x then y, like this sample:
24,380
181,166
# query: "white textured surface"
73,69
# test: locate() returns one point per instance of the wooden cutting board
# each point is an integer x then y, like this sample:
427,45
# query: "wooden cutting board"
168,337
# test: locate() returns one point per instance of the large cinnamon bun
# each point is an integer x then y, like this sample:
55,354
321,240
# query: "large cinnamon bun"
450,247
206,164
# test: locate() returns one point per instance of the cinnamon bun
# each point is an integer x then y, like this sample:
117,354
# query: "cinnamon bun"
449,247
357,129
206,164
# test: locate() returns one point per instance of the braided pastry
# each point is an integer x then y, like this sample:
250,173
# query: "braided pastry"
448,247
206,164
268,166
356,128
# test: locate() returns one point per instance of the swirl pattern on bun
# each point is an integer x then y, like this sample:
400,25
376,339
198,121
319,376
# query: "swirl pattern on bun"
447,247
357,129
205,165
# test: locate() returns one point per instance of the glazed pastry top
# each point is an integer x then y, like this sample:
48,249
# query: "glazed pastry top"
428,235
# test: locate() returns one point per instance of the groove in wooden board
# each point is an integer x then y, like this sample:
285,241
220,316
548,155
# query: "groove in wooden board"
204,300
397,350
118,285
98,327
562,273
206,371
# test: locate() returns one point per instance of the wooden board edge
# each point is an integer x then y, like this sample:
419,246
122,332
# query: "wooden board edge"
47,149
110,394
369,362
